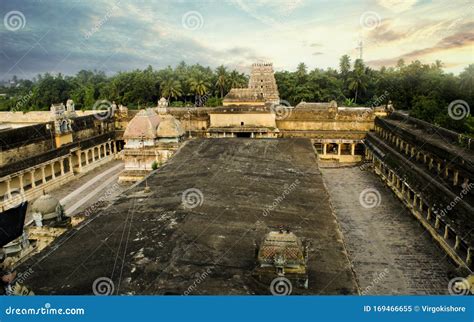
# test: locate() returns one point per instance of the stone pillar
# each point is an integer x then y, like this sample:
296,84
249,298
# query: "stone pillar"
115,147
93,154
79,159
458,243
456,177
469,256
324,148
43,173
70,164
437,222
339,149
353,149
446,231
20,178
53,175
61,165
430,166
9,188
87,156
33,179
414,201
428,216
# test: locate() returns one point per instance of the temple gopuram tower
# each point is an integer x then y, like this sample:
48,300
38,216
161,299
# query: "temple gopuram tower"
262,88
262,81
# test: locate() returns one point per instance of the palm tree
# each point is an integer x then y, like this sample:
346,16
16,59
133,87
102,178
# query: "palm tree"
358,78
236,79
221,79
171,88
199,85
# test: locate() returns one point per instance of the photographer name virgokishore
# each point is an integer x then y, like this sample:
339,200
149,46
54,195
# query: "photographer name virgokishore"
443,309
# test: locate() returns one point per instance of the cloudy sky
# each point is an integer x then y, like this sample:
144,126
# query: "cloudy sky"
111,35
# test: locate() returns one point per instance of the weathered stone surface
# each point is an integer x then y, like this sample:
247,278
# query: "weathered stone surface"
149,243
390,251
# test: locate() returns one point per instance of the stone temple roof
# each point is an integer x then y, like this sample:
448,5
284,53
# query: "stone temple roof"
169,244
169,127
142,126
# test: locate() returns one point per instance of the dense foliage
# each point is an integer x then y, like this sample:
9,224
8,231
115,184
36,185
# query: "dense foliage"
424,90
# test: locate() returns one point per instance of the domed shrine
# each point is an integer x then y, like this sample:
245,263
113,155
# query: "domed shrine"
150,139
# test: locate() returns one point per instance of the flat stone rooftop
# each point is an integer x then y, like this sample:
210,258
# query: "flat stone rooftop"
154,243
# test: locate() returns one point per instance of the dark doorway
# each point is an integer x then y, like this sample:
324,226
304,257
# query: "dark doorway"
243,134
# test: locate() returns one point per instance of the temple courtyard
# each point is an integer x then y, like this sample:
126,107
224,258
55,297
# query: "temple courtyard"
194,225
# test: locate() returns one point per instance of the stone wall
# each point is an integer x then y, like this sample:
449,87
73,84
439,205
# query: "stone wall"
20,143
242,119
432,178
20,119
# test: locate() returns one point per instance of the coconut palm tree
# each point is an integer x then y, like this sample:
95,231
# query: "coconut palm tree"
222,75
171,88
199,84
236,79
358,78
